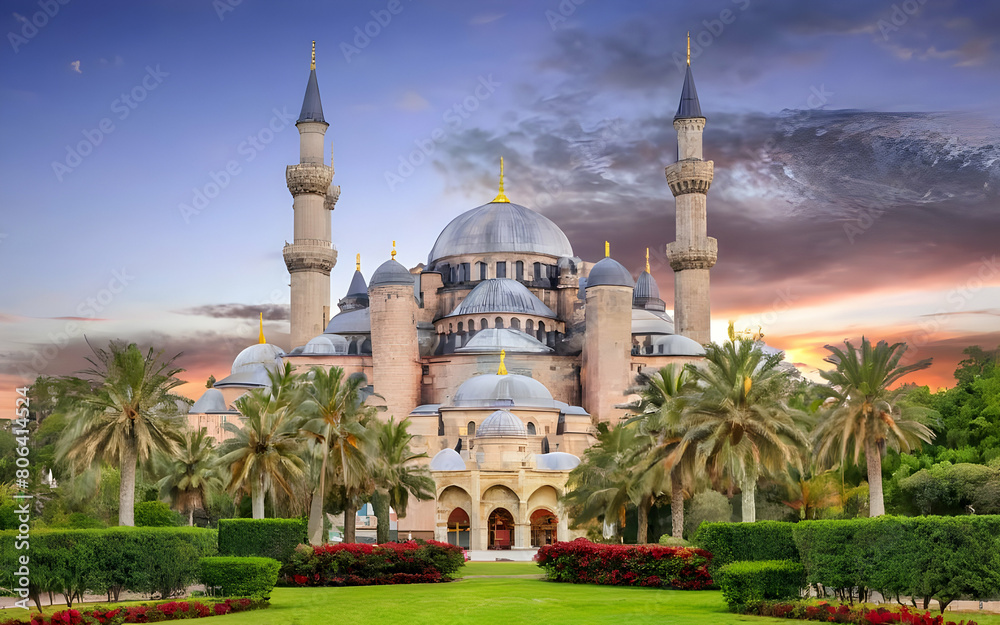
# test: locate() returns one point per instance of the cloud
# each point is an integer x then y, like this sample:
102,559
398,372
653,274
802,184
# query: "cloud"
76,66
486,18
412,101
272,312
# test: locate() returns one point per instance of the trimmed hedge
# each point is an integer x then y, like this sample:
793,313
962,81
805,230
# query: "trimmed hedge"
144,613
748,583
263,538
146,560
356,564
240,577
584,562
669,541
858,614
746,542
943,558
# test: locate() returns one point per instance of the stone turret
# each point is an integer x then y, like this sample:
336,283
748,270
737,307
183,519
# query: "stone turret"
311,255
693,253
607,344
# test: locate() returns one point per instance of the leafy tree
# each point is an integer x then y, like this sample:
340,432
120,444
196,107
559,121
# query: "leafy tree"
191,476
707,507
865,414
129,413
396,475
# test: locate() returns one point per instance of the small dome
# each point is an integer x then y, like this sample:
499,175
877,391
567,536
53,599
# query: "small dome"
447,460
325,345
503,390
556,461
501,424
677,345
357,321
391,272
255,356
502,295
493,340
500,227
609,272
211,402
645,321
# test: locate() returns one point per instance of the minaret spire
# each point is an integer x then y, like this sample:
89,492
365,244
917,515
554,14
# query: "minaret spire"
500,196
260,337
647,260
312,106
689,48
393,249
607,250
312,65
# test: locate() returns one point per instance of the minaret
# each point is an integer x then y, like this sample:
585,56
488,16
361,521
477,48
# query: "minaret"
311,256
693,253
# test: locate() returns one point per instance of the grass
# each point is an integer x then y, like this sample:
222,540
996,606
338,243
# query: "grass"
500,568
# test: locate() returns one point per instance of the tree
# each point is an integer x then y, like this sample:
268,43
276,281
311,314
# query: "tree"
191,476
129,414
396,475
865,414
338,425
738,421
263,455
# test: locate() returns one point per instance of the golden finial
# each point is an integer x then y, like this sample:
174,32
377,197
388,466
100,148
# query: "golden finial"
357,262
647,260
500,196
260,339
503,368
607,250
312,65
689,48
394,250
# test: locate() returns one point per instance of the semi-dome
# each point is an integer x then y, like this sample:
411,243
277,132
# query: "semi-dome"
556,461
211,402
500,227
677,345
500,424
391,272
447,460
646,321
609,272
351,322
495,340
503,390
502,295
255,356
325,345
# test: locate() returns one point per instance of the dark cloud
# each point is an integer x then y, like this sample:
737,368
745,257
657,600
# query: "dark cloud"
272,312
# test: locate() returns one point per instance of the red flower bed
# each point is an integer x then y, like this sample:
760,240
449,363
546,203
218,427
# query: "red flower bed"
858,615
584,562
169,611
357,564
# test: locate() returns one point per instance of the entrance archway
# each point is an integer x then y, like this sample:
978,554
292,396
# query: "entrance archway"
501,529
458,528
543,528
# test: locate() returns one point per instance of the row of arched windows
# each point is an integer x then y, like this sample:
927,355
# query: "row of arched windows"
466,272
470,430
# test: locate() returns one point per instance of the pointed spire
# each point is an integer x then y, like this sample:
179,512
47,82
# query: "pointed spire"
260,338
394,250
607,250
500,196
689,106
503,367
647,260
312,107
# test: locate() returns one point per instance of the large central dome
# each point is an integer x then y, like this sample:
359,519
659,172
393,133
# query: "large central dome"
500,227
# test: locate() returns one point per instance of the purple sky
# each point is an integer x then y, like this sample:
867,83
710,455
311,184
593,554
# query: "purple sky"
856,144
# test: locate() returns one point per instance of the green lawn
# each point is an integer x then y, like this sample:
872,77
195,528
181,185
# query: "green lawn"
499,568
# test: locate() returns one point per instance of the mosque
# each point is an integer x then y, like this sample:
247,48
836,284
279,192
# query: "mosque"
503,351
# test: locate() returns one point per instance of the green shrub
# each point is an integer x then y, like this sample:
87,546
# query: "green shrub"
583,562
356,564
669,541
155,514
746,583
240,577
742,542
264,538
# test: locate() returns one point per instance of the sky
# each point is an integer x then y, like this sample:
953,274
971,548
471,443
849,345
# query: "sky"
856,148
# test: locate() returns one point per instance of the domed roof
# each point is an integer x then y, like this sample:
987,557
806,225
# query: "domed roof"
501,424
255,356
447,460
677,345
609,272
502,295
325,345
211,402
391,272
646,287
493,340
500,227
646,321
556,461
503,390
357,321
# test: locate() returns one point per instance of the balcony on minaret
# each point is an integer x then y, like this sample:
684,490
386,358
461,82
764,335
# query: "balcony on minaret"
309,178
690,176
310,255
696,254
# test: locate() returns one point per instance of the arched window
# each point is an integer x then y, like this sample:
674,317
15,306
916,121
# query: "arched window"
472,325
537,270
501,269
519,270
450,328
531,429
541,331
470,430
482,271
498,323
529,326
483,324
461,327
515,323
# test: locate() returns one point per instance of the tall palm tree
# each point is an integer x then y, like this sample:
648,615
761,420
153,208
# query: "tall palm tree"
191,476
129,413
662,408
739,422
334,401
396,476
865,414
263,455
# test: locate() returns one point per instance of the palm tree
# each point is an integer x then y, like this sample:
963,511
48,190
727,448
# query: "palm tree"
129,413
738,421
335,402
396,476
263,455
191,475
662,407
865,414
